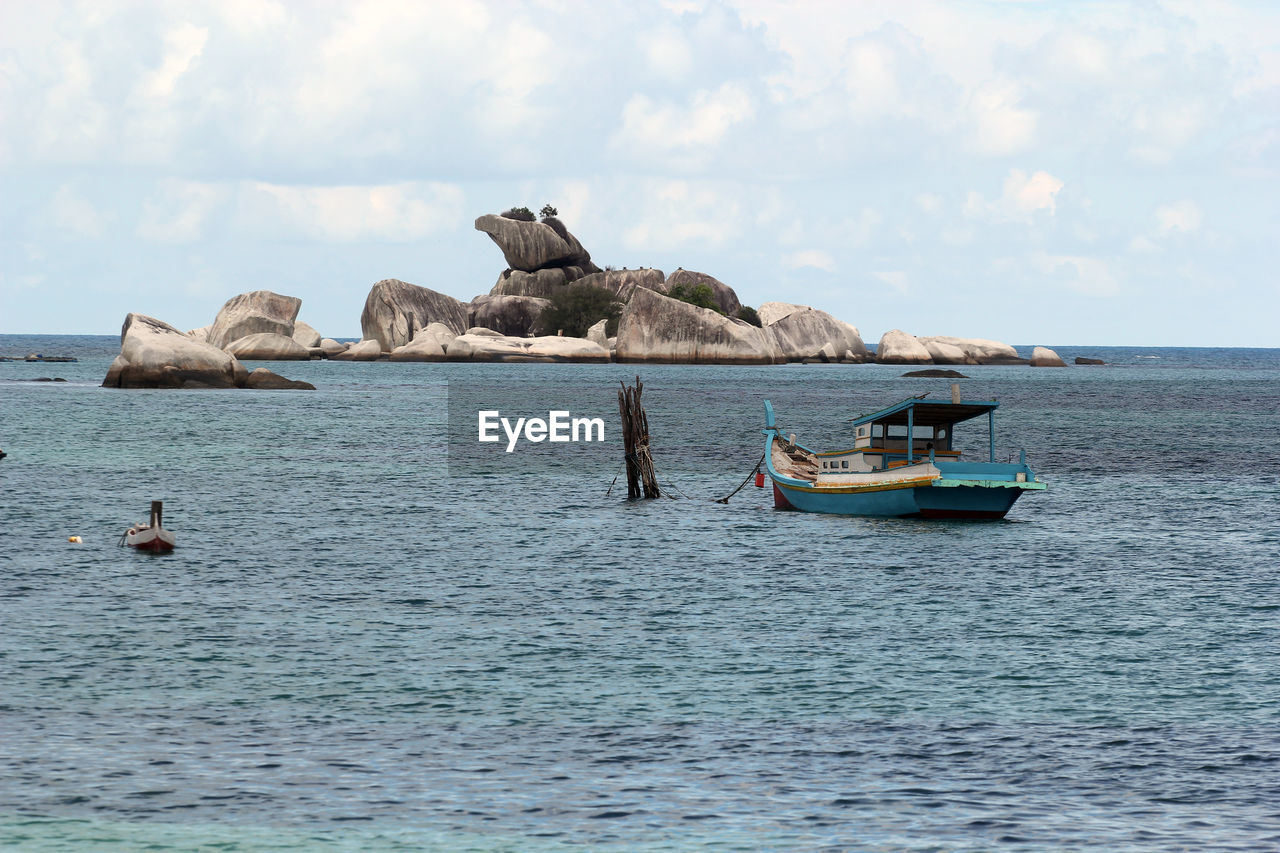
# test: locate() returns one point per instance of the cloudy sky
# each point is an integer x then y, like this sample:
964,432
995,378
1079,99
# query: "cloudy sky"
1034,172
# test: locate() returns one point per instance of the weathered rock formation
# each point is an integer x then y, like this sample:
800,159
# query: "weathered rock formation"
330,347
656,328
596,334
897,347
424,347
264,379
254,312
542,284
364,351
306,336
623,283
154,354
802,332
395,310
531,246
942,353
516,316
440,333
981,351
554,348
722,293
1045,357
267,346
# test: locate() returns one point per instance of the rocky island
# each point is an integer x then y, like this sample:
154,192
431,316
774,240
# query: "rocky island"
551,303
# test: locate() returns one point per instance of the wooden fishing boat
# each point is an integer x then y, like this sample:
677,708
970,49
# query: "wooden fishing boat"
151,536
903,463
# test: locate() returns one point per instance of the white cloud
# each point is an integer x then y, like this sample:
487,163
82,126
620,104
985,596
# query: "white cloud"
896,279
180,211
1001,125
858,230
382,213
929,202
650,127
1180,216
679,213
667,53
1088,275
74,215
1021,198
182,45
816,258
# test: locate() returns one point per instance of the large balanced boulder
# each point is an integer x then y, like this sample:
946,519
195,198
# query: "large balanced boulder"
516,316
656,328
898,347
802,332
251,313
530,246
1045,357
154,354
553,348
266,346
726,300
980,350
395,310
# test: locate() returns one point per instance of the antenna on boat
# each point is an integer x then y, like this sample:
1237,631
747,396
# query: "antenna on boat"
955,392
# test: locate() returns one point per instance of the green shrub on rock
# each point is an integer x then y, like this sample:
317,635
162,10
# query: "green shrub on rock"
748,314
578,307
520,214
699,294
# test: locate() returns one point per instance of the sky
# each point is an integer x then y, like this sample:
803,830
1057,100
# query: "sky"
1033,172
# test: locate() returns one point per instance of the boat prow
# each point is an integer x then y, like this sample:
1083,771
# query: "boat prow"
152,536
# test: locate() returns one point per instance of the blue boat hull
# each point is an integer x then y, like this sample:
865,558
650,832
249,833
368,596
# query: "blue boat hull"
972,502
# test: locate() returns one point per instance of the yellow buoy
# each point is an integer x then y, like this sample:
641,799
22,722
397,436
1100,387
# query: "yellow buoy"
75,539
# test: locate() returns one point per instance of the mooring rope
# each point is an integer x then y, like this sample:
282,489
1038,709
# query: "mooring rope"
668,486
725,499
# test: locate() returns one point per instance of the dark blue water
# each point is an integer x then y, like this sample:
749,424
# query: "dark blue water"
371,639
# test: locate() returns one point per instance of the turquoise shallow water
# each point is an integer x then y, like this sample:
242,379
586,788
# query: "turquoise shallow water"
377,634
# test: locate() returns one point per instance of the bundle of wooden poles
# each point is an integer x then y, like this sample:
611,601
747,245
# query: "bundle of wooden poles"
641,478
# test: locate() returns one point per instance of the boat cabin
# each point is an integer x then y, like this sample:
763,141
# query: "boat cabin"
913,431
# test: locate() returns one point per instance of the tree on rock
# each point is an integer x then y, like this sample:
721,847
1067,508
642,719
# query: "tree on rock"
548,211
698,294
748,314
520,214
580,306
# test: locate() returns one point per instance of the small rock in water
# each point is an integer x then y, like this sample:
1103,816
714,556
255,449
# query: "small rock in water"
1082,360
264,379
935,373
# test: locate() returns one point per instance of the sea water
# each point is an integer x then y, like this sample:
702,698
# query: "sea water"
376,633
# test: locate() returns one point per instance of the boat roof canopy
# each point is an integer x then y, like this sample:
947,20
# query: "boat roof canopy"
928,412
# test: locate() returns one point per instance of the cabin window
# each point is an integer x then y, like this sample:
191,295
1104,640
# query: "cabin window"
844,463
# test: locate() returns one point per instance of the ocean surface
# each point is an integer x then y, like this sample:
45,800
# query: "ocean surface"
378,634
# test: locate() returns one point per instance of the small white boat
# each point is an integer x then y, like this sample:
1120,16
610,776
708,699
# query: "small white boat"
151,536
